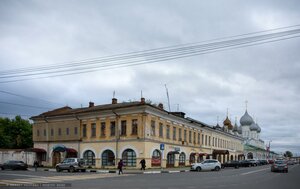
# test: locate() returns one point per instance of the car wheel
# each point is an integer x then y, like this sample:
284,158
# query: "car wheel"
2,168
82,170
236,167
72,169
198,169
58,169
217,168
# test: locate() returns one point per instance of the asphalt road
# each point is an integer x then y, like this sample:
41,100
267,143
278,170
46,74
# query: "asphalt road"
243,178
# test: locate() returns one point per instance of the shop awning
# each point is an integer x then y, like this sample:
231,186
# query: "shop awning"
202,154
71,150
173,152
59,148
192,154
37,150
241,155
220,152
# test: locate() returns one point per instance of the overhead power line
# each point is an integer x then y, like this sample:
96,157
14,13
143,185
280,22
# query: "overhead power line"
30,98
24,105
150,56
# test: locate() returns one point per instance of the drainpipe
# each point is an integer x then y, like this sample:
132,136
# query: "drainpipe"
117,136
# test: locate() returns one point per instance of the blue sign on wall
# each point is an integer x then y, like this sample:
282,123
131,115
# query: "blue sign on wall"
162,146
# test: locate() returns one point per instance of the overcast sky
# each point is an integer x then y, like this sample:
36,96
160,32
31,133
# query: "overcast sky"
35,33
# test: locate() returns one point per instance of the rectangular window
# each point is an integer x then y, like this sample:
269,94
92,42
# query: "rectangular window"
213,141
84,130
209,141
112,128
202,139
75,130
152,128
59,131
179,134
67,131
184,135
198,141
93,129
123,127
168,131
174,133
102,129
190,136
194,138
134,127
161,130
205,140
45,133
52,132
38,133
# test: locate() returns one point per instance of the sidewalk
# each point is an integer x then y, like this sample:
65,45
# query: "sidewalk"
126,171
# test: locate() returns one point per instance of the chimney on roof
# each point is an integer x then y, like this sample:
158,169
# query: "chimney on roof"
161,106
91,104
142,100
114,101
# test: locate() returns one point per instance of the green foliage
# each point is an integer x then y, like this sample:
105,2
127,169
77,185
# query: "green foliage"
15,133
288,154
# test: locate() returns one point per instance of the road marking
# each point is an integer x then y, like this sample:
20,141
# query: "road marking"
250,172
35,180
19,175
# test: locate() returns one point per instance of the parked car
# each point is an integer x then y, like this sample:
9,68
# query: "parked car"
209,164
235,164
253,162
263,162
72,165
245,163
279,165
13,164
270,161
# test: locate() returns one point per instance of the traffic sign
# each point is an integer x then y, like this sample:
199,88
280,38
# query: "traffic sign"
162,146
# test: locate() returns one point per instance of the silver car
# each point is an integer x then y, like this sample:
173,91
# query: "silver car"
209,164
72,165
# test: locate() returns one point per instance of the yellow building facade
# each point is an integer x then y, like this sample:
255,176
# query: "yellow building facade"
131,131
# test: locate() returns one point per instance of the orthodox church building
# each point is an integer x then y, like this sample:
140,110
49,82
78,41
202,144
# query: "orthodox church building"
249,130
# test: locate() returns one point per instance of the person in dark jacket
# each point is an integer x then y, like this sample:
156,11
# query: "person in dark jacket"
35,165
120,166
143,164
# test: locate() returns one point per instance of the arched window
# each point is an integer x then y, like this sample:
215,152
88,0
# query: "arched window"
108,158
192,158
129,158
170,159
182,159
89,157
156,158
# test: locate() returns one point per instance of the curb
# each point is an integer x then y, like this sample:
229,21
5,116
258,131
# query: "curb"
115,171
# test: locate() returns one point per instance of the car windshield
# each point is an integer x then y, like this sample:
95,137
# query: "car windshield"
279,162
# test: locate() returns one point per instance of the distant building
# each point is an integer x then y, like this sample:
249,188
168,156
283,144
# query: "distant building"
131,131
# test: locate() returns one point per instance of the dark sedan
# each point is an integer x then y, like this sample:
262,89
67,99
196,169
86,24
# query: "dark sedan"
12,164
245,163
235,164
279,165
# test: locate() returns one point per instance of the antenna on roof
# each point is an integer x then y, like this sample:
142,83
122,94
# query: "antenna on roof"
168,97
246,102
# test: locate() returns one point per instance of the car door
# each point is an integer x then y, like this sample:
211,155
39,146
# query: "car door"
205,165
64,164
211,165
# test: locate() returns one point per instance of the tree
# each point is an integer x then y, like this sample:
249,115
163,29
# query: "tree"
288,154
15,133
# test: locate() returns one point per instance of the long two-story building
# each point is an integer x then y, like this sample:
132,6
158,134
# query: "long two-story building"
131,131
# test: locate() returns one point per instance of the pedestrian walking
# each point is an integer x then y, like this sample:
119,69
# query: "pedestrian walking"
35,164
120,166
143,164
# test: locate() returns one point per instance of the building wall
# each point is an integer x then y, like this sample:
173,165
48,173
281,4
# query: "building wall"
199,138
20,155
